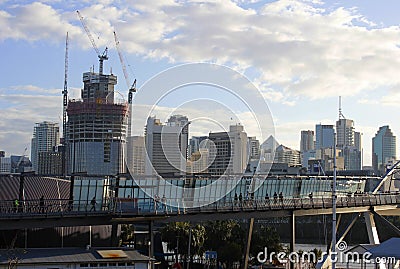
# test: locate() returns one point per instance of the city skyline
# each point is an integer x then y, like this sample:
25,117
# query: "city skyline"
300,73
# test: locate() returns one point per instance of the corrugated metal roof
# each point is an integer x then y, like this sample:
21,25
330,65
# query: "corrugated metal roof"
66,256
34,187
387,249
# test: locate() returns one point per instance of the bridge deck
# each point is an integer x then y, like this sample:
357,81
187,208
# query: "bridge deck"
33,214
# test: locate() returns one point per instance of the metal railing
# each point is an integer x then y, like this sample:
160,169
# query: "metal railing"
149,207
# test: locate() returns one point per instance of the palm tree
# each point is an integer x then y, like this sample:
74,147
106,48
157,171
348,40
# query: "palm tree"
176,235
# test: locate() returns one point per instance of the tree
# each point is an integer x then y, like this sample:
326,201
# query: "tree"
127,234
265,237
227,238
176,235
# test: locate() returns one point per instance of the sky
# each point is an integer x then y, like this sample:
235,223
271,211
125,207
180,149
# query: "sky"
301,55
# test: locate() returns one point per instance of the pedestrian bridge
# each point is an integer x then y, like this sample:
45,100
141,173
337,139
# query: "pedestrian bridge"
30,214
123,199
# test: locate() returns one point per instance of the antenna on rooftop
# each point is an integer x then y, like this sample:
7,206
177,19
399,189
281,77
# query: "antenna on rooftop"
341,116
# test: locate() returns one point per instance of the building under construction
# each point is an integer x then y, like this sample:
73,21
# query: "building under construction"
96,128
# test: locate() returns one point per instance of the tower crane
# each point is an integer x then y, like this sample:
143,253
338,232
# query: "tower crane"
20,160
102,56
132,88
65,103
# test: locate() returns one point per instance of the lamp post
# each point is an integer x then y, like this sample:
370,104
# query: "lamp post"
150,256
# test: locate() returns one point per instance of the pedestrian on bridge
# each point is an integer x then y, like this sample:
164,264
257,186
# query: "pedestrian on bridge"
236,199
164,202
267,199
275,197
16,205
240,199
41,204
93,203
156,202
281,198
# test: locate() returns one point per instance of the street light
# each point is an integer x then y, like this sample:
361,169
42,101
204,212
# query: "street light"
150,256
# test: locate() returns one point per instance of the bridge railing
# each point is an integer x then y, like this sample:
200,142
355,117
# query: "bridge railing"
50,207
123,206
361,200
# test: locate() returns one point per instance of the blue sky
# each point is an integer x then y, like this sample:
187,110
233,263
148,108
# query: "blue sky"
301,55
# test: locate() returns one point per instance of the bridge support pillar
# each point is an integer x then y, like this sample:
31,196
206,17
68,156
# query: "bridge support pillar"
372,232
114,235
292,236
249,235
151,243
371,228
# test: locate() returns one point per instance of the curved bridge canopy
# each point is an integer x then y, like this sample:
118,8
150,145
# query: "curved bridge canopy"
388,176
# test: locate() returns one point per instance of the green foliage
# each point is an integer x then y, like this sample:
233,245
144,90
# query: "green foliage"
176,234
127,234
227,237
265,237
230,252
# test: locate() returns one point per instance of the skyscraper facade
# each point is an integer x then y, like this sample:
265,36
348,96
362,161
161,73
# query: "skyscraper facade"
344,133
166,145
254,148
383,149
46,136
324,136
96,128
194,144
346,142
307,141
287,155
136,155
230,150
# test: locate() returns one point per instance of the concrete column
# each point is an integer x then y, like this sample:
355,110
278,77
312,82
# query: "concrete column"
249,235
151,247
372,232
371,228
114,235
292,236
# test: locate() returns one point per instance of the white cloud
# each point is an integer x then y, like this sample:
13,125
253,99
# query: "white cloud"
21,109
297,47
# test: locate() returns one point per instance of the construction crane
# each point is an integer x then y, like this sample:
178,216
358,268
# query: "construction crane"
20,161
102,56
65,103
132,88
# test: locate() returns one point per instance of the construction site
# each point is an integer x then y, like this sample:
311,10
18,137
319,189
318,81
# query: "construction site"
97,126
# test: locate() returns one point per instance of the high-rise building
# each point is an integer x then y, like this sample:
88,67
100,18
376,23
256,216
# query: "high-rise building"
46,136
230,151
50,163
136,155
199,161
5,165
287,155
268,147
194,144
307,141
383,149
324,136
20,164
349,144
96,128
344,133
166,145
254,148
358,140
